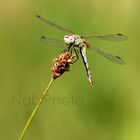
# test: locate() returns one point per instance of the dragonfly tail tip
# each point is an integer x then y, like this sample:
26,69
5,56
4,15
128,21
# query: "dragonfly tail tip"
91,84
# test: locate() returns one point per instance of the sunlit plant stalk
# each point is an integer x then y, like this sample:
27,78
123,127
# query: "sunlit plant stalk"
61,65
36,109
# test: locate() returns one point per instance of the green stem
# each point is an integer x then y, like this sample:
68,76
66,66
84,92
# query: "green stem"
36,109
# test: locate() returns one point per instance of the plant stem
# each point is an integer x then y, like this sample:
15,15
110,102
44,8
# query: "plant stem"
36,109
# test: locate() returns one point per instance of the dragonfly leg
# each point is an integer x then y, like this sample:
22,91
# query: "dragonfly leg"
76,53
72,50
68,49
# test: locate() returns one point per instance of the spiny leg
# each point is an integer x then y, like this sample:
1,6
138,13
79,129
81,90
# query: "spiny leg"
76,53
72,49
68,49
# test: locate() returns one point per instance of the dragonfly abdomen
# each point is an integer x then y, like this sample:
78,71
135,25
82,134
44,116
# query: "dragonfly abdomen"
84,57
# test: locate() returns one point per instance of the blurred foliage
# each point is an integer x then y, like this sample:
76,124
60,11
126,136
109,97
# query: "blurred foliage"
72,110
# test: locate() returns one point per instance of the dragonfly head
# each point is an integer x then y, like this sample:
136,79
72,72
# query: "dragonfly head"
69,39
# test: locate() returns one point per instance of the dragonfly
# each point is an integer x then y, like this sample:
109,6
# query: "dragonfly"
78,44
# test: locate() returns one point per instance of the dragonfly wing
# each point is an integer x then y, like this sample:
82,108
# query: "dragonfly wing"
51,41
53,24
84,57
109,37
109,56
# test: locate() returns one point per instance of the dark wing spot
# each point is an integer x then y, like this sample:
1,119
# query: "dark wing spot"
119,34
42,36
118,57
38,16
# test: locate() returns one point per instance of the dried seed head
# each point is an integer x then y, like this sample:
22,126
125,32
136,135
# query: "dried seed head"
62,64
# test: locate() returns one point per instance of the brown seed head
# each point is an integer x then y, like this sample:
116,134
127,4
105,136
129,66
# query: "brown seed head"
62,64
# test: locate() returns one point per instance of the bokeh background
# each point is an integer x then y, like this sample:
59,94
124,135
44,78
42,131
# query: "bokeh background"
72,110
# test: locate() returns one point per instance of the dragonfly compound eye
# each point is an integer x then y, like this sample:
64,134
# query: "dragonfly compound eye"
68,39
71,39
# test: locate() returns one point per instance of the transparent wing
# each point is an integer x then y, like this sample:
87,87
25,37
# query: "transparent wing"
53,24
109,56
51,41
84,57
109,37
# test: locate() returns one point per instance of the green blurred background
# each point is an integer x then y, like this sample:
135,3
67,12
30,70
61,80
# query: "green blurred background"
73,110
